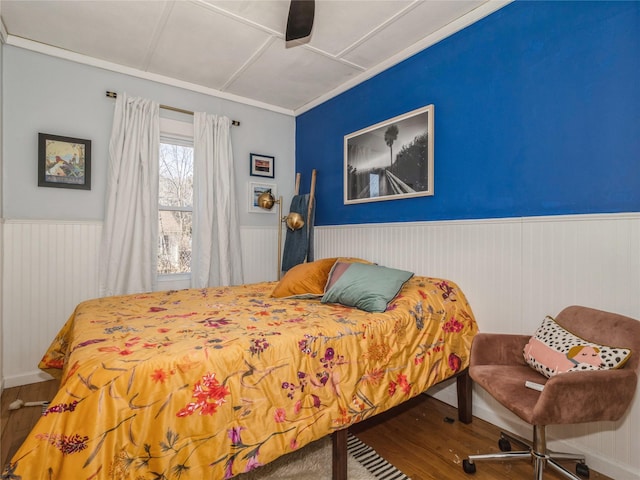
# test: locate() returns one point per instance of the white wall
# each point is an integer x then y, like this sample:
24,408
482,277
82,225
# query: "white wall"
514,272
52,95
44,285
52,234
1,215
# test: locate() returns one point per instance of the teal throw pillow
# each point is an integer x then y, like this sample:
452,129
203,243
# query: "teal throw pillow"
367,287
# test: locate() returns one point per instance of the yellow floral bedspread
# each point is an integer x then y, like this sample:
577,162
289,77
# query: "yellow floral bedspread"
209,383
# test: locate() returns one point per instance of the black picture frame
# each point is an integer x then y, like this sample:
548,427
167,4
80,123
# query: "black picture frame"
64,162
262,165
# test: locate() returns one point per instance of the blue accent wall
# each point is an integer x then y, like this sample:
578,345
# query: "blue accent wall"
537,112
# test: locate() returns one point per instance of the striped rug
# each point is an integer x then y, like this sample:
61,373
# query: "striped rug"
369,458
313,462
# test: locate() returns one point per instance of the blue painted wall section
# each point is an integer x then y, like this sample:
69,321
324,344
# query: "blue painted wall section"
537,112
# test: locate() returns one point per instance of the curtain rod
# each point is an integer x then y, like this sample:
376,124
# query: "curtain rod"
235,123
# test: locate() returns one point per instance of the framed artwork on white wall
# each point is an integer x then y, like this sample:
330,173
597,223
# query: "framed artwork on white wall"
64,162
261,165
255,190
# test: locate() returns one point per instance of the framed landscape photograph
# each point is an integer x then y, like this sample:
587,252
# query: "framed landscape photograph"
64,162
390,160
255,189
262,165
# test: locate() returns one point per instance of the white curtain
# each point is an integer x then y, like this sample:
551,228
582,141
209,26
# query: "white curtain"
128,254
216,258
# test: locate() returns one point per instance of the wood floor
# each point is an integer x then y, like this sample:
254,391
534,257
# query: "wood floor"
414,437
15,425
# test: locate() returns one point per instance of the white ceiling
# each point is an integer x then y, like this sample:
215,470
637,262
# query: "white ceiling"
236,48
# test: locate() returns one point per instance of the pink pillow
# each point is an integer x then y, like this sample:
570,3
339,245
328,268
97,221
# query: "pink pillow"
553,350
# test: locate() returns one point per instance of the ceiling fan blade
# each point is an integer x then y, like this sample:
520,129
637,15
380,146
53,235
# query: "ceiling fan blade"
300,21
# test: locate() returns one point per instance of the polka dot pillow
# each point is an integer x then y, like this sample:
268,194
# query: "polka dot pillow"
553,350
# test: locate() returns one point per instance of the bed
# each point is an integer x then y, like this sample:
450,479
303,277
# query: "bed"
210,383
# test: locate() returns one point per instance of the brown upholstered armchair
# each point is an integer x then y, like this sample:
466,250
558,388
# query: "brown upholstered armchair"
497,365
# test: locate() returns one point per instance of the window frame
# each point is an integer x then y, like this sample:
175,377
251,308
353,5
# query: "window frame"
175,132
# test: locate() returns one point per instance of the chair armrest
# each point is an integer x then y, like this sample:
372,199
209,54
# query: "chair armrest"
590,396
498,349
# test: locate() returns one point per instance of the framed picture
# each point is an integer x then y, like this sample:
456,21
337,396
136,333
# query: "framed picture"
262,165
64,162
390,160
255,189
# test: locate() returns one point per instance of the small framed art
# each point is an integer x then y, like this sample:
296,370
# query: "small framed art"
64,162
262,165
255,189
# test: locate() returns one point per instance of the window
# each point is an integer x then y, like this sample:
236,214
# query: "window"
175,206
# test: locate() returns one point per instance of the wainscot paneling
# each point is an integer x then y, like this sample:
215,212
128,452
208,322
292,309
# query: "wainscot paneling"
51,266
259,253
1,261
514,272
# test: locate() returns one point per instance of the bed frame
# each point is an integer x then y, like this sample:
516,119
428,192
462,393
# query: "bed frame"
339,437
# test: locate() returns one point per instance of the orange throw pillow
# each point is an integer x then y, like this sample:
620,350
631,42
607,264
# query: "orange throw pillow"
306,280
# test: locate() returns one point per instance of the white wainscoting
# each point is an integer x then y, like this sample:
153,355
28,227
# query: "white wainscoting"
513,272
1,262
260,253
51,266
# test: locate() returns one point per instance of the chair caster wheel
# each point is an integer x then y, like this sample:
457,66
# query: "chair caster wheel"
504,445
468,467
582,469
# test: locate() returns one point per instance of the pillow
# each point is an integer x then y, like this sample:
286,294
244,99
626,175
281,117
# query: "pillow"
336,272
553,350
307,280
339,267
353,260
364,286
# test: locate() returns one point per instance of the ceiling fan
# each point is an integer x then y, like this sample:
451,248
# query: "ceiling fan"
300,21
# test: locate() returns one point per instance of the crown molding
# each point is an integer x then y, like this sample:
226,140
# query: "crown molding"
114,67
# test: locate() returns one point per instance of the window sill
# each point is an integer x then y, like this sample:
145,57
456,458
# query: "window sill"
177,281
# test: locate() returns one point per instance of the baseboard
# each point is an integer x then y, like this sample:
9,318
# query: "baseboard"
34,376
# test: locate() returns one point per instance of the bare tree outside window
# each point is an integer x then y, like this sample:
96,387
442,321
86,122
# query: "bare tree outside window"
175,208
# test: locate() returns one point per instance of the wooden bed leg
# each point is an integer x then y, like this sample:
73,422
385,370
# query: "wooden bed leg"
339,469
465,404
